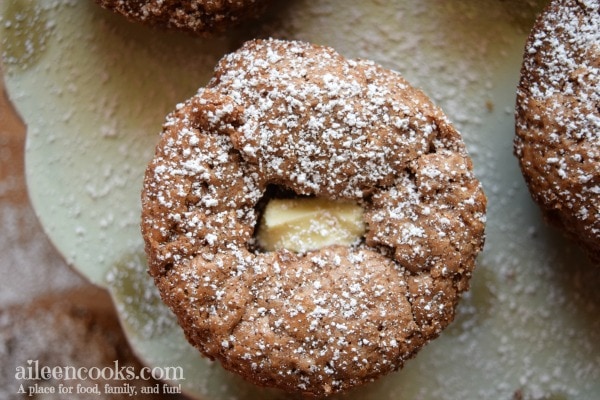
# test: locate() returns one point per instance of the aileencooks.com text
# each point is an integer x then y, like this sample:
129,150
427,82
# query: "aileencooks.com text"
33,371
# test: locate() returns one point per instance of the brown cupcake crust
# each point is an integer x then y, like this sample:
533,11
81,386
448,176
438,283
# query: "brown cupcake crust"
558,118
303,117
194,16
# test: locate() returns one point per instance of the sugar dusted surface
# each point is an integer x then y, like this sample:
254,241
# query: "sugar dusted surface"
204,17
558,118
303,117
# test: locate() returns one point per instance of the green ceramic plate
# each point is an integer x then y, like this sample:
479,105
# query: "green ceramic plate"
94,90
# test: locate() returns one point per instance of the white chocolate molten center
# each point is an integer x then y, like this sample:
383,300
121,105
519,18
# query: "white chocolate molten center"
305,224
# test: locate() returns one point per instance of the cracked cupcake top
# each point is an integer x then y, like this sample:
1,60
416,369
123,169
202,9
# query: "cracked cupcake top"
558,118
304,119
193,16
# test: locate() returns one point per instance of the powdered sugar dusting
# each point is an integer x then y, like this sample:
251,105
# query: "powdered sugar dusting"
558,119
293,114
